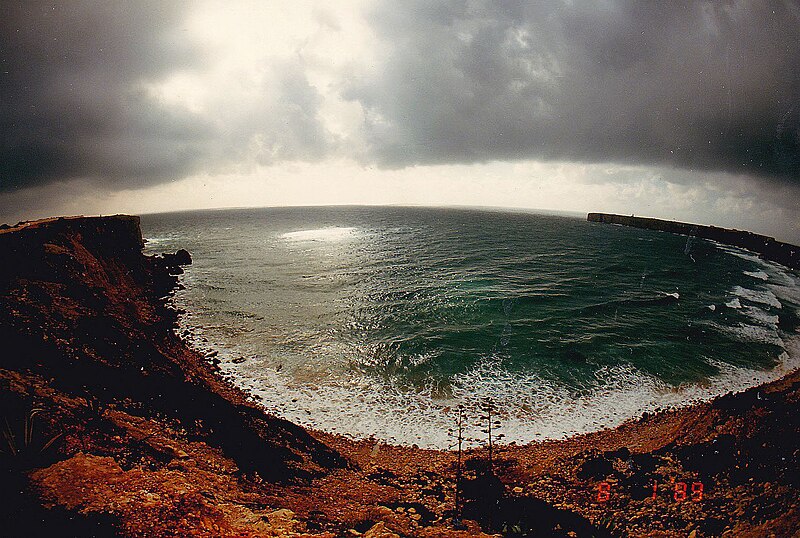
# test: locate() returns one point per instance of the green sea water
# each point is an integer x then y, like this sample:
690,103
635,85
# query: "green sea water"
377,321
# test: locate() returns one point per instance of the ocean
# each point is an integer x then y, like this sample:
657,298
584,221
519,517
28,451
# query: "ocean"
377,322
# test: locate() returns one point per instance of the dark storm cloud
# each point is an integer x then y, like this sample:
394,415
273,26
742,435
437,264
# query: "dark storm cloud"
697,85
71,102
74,100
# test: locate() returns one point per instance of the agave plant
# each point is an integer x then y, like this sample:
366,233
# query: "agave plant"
28,447
489,426
458,433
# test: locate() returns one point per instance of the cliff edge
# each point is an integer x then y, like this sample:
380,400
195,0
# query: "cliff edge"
89,349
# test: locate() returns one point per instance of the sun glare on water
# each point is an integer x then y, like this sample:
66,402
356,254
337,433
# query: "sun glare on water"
321,234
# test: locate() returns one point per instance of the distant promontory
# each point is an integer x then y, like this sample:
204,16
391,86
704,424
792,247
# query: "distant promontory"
767,247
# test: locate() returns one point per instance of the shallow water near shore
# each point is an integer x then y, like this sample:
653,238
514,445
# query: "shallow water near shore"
377,322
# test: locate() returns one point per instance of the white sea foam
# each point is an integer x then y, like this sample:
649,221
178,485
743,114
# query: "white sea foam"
788,290
331,234
760,316
781,282
151,242
734,303
530,408
738,252
761,275
745,332
764,297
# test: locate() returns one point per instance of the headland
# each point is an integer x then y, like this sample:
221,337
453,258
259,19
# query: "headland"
767,247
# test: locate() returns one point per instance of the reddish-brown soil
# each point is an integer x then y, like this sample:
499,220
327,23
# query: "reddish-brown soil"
112,425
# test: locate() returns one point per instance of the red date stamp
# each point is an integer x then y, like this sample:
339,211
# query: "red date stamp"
679,491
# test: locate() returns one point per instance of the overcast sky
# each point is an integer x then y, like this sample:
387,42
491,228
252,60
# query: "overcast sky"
686,110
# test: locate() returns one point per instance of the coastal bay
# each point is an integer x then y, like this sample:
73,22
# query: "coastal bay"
136,433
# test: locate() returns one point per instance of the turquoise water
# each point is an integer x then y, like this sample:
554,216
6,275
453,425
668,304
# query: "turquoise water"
374,321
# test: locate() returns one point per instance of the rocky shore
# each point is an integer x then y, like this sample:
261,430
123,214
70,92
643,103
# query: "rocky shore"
113,425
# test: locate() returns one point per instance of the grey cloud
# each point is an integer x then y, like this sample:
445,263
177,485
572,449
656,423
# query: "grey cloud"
282,124
73,104
70,97
691,85
696,85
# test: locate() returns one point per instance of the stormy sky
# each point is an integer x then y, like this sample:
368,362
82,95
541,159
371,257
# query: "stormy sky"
687,110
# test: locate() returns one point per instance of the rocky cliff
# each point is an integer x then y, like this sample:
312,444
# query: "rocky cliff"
84,319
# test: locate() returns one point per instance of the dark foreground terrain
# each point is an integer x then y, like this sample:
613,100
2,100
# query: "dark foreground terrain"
113,425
